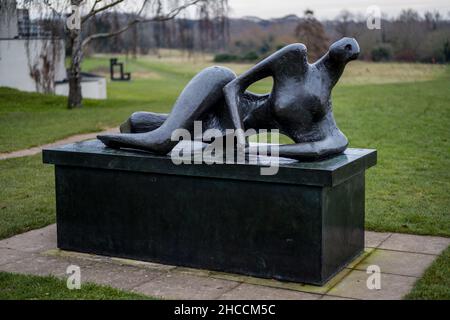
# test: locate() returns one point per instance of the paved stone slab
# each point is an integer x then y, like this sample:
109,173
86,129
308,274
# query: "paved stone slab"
417,244
327,297
186,286
111,260
121,277
142,264
40,265
10,255
33,241
396,262
402,259
375,239
57,253
252,292
282,285
393,287
358,260
111,274
196,272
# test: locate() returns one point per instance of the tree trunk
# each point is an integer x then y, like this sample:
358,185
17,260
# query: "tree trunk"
75,96
135,40
74,74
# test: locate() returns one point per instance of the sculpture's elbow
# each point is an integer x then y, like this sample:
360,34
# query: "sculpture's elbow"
344,141
231,87
341,143
331,146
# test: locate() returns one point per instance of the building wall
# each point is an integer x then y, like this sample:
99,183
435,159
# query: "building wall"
91,89
18,57
8,21
27,57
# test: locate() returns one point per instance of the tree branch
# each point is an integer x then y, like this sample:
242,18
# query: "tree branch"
172,14
169,16
94,11
109,34
94,5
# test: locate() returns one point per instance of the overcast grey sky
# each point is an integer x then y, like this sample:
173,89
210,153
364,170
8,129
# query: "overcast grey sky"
329,9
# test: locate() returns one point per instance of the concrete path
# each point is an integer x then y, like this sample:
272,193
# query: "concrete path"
401,258
72,139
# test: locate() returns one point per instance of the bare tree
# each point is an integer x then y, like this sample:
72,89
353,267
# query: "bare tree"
432,19
79,38
408,35
148,11
344,21
312,33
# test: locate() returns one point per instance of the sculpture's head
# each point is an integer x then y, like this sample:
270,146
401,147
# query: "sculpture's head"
344,50
341,52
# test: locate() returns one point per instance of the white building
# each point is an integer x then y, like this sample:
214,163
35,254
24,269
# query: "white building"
92,86
31,60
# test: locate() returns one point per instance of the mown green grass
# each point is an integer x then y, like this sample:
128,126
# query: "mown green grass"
435,283
408,124
25,287
27,195
31,119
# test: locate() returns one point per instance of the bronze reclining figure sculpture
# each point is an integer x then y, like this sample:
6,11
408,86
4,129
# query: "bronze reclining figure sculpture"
299,105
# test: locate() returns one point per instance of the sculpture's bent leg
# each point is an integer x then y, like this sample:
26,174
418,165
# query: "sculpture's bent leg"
141,122
201,94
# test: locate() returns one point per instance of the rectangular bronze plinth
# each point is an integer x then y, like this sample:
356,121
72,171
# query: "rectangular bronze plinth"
304,224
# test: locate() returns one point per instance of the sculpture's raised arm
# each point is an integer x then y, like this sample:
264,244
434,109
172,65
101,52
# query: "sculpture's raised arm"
266,68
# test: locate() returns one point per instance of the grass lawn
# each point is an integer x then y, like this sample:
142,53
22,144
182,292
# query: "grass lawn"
25,287
435,284
30,119
27,196
402,110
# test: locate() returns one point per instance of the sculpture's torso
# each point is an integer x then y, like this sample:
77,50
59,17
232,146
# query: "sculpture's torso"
297,103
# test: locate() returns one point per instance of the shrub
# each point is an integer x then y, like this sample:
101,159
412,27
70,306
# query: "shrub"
250,56
446,51
381,53
225,57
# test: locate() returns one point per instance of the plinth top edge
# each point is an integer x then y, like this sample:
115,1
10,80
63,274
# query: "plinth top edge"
327,172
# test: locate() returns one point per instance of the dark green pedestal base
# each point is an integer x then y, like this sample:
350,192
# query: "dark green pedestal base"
303,225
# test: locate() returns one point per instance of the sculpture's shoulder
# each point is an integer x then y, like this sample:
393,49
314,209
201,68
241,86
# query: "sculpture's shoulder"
294,48
290,55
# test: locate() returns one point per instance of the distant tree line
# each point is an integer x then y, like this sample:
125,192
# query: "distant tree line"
408,37
191,35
